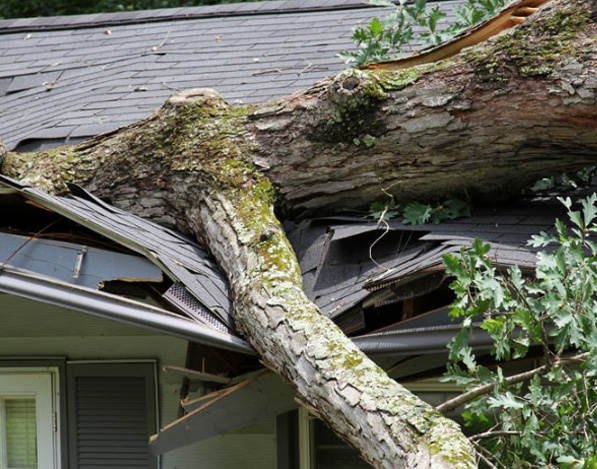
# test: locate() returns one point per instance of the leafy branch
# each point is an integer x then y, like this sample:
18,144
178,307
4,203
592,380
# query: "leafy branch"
546,415
388,37
418,213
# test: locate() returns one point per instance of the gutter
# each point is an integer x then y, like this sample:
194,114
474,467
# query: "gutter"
115,308
420,340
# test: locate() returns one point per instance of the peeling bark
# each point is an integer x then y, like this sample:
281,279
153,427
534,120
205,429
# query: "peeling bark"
485,123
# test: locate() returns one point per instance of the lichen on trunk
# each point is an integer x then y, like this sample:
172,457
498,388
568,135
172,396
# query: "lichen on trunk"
391,427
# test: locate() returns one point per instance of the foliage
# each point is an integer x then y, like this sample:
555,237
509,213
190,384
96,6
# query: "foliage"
417,213
546,416
33,8
574,180
475,11
387,37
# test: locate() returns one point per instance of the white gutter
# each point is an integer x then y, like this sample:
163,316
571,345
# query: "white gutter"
116,308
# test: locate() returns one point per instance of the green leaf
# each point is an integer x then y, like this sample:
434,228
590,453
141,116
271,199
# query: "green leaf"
577,219
420,4
375,27
589,210
541,240
386,208
416,213
480,248
453,265
506,401
456,207
544,184
569,462
567,202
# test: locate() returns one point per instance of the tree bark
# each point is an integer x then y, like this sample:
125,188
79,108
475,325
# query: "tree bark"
485,123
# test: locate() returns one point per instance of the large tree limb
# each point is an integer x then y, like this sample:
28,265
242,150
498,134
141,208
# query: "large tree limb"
486,123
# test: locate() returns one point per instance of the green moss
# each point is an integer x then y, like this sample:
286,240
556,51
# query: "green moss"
400,79
52,169
537,48
204,138
352,360
354,96
456,453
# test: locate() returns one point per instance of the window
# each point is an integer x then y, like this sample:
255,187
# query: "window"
28,422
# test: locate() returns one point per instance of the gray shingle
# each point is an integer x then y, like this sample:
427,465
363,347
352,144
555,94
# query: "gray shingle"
199,47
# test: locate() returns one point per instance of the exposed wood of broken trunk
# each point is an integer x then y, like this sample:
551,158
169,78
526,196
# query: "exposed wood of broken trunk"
486,123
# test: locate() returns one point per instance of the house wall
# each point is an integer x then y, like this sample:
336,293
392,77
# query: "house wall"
30,329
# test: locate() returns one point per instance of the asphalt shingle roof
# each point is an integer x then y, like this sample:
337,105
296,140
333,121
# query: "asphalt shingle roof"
344,259
200,290
74,77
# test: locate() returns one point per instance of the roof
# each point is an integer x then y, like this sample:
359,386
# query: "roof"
355,269
196,292
69,78
360,274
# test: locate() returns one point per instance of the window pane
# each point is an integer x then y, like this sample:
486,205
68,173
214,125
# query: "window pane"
21,433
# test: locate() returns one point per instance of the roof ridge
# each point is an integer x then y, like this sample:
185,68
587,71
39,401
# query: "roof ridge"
53,23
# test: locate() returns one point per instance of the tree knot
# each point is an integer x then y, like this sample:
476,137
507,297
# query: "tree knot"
203,97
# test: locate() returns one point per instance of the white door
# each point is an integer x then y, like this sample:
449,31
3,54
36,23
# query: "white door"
28,433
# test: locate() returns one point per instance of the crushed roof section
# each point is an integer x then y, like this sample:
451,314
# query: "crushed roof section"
68,78
344,260
183,260
351,266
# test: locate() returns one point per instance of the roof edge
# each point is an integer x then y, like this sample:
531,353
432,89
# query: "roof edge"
54,23
111,307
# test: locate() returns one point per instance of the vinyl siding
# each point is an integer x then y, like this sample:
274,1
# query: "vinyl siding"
34,330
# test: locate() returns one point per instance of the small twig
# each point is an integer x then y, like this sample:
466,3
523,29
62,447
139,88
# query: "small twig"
31,238
481,457
306,69
161,44
487,388
386,231
490,434
265,72
173,88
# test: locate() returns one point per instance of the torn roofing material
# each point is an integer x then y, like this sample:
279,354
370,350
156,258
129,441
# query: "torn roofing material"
75,263
362,275
204,296
49,290
356,265
69,78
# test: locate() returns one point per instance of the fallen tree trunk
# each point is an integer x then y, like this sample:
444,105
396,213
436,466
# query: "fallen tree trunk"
485,123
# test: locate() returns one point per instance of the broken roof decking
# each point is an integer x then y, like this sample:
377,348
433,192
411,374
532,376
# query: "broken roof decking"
348,266
75,77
